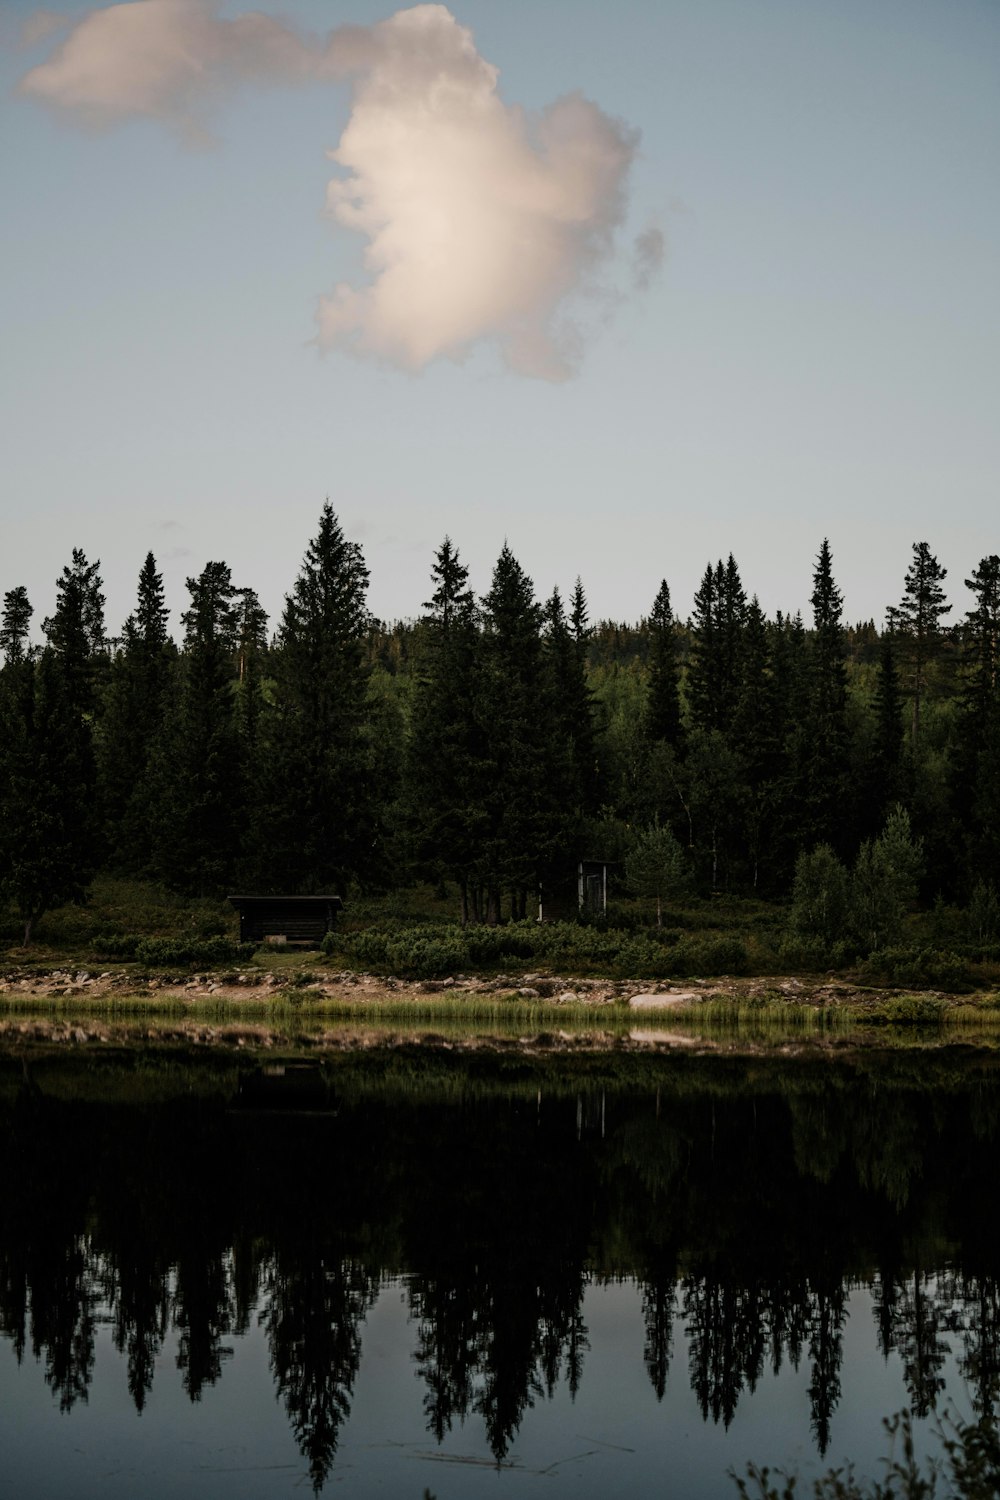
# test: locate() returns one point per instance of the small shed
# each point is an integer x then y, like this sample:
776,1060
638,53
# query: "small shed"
286,919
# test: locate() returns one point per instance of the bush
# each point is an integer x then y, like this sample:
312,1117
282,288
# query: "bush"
820,896
166,952
927,968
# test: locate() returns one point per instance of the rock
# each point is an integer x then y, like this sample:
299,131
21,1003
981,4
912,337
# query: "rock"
664,1001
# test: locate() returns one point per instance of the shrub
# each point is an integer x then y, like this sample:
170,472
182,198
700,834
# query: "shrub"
926,968
820,896
165,952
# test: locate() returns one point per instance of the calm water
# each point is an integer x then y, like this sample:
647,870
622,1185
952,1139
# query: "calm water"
393,1275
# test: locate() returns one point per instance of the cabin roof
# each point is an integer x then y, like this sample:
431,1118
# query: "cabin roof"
284,903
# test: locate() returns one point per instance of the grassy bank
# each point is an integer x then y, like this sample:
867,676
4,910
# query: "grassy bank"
414,935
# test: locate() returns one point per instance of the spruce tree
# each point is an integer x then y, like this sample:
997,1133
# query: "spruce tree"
571,753
446,746
78,644
704,667
756,738
826,750
317,826
662,716
131,720
48,843
718,621
14,625
975,768
198,774
76,630
916,621
521,823
883,775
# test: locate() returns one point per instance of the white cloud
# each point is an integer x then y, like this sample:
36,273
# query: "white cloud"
165,60
481,220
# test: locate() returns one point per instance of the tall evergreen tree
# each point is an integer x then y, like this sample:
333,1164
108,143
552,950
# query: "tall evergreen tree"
131,720
662,717
446,746
883,774
76,630
198,772
826,764
14,625
714,671
78,643
916,621
48,845
755,737
975,771
521,832
318,827
704,679
572,774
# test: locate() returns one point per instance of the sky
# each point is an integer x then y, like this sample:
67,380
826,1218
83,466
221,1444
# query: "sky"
626,286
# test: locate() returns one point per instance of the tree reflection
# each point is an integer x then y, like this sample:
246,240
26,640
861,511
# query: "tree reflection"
745,1220
313,1314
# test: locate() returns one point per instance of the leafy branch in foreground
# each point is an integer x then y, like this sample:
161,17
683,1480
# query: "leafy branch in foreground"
969,1470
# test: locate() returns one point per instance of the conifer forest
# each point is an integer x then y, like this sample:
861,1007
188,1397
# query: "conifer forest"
848,773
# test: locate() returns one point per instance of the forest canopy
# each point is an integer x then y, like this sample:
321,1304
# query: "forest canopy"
851,770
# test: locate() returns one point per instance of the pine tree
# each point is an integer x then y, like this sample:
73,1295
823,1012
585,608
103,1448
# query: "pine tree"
131,720
704,667
446,747
17,612
48,844
975,768
318,827
198,772
883,771
662,717
719,618
570,748
77,643
76,630
521,826
916,621
756,738
826,754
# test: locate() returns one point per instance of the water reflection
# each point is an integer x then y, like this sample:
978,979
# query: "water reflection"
746,1208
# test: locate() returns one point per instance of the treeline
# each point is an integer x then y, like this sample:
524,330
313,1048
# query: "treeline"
496,741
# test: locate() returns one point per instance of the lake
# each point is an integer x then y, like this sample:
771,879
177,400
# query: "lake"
397,1272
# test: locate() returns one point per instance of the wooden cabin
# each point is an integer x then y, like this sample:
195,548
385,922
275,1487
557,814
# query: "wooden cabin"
286,919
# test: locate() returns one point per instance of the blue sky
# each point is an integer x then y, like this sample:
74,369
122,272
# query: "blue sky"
818,354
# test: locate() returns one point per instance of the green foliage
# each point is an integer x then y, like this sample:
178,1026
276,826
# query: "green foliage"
983,916
924,968
820,897
655,866
168,952
315,824
884,882
48,835
433,951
